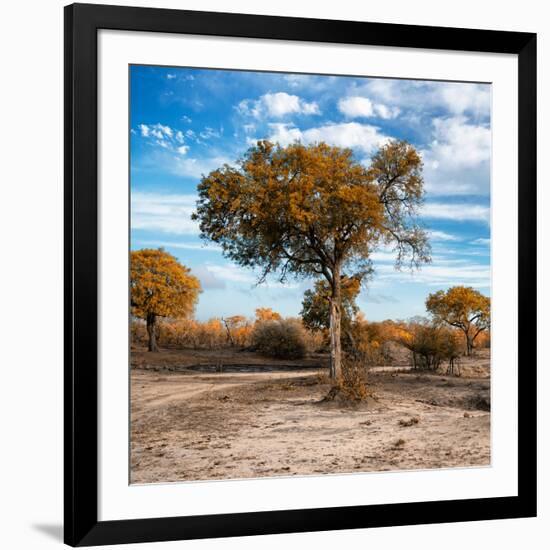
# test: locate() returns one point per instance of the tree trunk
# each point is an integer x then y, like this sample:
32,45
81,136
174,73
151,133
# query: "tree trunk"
152,331
469,345
335,327
229,335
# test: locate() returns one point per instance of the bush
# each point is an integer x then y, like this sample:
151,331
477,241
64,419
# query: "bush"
138,332
353,383
430,344
283,339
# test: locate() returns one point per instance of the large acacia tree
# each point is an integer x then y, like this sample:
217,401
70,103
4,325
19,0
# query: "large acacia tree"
314,211
160,287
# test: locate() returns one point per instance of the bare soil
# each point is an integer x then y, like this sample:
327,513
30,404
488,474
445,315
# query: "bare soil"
268,418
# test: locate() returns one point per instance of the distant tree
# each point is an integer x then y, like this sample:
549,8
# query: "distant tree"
316,304
430,343
160,287
314,211
231,325
267,314
463,308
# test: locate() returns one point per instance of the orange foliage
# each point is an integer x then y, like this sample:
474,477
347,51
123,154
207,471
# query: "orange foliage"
267,314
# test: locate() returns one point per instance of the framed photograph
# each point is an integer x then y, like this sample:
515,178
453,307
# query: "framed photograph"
300,275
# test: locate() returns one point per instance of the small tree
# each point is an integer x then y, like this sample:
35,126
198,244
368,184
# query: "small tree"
316,303
231,325
267,314
429,344
160,287
313,211
463,308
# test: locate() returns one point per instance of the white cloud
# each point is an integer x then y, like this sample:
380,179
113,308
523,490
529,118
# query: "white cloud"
166,213
455,97
277,105
458,158
363,107
456,212
383,111
163,136
356,107
217,275
442,236
442,274
160,131
283,133
170,76
231,272
458,144
481,241
365,137
207,278
383,256
207,247
195,167
460,98
209,133
182,149
236,274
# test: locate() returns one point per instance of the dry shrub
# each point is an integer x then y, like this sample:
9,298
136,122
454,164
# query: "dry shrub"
371,341
192,334
483,340
188,333
410,422
480,402
138,332
315,340
283,339
352,385
430,344
323,378
236,331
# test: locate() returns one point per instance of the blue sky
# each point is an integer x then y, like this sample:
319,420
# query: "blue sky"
186,122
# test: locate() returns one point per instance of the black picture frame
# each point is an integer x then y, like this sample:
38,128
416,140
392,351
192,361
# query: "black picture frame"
82,22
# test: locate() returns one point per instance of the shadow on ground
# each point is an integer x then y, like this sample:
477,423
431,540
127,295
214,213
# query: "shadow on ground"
52,530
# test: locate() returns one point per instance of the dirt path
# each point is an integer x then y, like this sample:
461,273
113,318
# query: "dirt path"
225,425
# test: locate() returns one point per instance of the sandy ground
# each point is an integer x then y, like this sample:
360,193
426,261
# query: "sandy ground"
189,425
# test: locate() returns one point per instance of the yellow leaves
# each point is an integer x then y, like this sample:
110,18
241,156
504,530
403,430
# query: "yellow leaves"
295,187
160,285
311,210
461,307
266,314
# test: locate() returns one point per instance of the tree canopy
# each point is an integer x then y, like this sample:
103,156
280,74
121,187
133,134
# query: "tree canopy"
267,314
160,287
314,211
464,308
